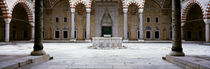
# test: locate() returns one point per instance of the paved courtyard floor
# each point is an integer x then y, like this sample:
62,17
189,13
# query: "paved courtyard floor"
77,55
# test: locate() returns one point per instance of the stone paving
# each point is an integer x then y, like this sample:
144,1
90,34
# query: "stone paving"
77,55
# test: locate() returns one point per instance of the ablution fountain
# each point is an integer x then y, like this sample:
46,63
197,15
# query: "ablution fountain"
107,42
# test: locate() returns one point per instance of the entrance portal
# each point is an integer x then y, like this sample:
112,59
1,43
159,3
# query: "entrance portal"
106,31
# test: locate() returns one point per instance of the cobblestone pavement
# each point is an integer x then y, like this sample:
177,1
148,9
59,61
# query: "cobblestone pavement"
77,55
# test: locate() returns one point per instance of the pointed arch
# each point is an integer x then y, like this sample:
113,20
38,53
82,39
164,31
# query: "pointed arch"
207,14
27,8
5,11
187,8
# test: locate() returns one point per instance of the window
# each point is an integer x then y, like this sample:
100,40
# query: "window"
57,19
25,34
57,34
65,19
85,35
148,34
138,35
157,36
128,34
171,33
65,34
148,19
156,19
157,33
75,34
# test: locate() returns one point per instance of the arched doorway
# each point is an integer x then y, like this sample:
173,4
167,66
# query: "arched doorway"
2,26
133,22
194,27
20,29
80,21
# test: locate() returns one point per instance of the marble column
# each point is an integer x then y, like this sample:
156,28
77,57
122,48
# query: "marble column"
7,29
72,23
125,10
177,43
88,24
182,31
141,24
32,31
207,32
38,45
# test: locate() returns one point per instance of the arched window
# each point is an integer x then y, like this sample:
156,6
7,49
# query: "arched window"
148,19
65,19
148,32
156,19
57,19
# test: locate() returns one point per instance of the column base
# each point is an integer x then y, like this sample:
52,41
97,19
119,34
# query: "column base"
141,40
175,53
183,41
73,40
87,40
31,40
38,53
125,40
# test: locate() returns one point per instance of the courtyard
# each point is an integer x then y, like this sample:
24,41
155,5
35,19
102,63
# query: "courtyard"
77,55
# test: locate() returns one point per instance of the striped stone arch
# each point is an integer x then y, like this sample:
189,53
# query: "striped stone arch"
27,8
79,2
131,2
134,4
5,11
207,14
187,8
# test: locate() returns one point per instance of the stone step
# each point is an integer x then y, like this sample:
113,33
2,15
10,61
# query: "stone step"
190,62
22,62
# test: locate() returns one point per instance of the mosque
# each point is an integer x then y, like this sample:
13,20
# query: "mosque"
133,20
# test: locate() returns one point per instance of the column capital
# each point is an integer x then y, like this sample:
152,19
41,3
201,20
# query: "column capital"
7,20
141,10
125,10
182,24
32,24
88,10
207,21
72,10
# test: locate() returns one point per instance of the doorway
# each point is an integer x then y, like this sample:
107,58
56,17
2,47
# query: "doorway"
106,30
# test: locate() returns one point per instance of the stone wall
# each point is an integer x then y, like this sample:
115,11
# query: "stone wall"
151,10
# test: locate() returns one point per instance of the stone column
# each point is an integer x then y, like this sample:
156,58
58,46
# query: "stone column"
125,10
7,29
38,45
141,24
207,32
88,24
32,31
176,20
72,24
182,31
